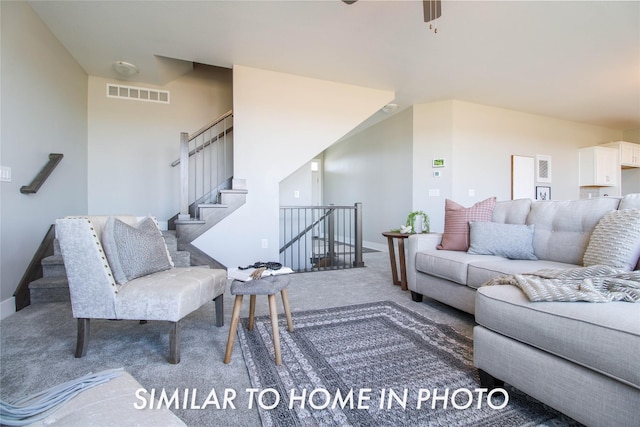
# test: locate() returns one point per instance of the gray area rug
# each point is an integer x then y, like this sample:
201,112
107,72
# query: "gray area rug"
373,350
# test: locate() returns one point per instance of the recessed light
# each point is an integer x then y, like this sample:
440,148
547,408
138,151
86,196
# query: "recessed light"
126,69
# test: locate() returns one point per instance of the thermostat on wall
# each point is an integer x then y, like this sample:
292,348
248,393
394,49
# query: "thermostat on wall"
436,174
438,163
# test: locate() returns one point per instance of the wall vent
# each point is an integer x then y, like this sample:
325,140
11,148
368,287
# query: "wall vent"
137,93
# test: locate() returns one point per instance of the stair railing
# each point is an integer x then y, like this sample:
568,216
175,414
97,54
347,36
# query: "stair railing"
206,163
34,270
321,237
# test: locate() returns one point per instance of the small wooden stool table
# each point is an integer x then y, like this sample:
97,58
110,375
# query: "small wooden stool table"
390,235
266,286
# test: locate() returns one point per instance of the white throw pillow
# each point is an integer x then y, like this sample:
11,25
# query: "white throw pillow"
615,240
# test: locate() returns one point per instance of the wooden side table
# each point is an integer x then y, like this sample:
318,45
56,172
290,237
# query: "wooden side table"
390,235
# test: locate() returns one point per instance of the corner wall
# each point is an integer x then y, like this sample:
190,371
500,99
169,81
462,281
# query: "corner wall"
374,167
281,122
44,110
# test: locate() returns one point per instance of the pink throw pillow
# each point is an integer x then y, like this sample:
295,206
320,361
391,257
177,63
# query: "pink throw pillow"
456,222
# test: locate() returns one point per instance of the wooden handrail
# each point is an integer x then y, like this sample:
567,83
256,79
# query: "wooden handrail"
42,176
204,128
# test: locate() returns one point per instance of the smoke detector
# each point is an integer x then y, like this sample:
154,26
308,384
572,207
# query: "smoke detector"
389,108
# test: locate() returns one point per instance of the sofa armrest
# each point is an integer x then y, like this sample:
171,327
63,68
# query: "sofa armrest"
417,243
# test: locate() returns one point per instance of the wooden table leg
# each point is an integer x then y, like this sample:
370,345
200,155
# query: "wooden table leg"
392,259
252,311
287,310
235,317
403,265
274,328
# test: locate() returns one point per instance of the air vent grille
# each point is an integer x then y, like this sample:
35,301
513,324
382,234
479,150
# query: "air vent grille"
137,93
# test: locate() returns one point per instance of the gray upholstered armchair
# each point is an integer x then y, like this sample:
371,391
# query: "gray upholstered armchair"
119,268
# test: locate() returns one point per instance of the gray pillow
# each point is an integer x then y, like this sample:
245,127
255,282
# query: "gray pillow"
134,252
514,241
615,240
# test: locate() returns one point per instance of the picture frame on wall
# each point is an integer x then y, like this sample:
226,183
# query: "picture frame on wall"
543,168
543,193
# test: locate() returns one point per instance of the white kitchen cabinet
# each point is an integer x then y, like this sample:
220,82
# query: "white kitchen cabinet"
599,166
629,153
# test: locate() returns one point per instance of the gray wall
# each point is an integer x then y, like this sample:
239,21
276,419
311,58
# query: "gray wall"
132,143
373,167
44,110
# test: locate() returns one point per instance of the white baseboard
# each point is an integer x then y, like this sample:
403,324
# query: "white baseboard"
377,246
7,308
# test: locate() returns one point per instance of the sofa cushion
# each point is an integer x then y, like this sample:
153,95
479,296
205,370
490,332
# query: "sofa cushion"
615,241
134,251
513,241
604,337
480,272
511,211
630,201
456,222
563,227
450,265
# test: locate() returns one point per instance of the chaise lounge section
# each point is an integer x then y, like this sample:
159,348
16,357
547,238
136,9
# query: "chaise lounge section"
580,358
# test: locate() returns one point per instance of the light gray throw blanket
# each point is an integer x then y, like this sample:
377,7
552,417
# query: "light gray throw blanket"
598,283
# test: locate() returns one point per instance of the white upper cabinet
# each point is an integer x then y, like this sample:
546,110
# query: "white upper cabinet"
599,167
629,153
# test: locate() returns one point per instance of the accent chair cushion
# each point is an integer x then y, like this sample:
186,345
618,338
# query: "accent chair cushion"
456,222
615,240
513,241
134,251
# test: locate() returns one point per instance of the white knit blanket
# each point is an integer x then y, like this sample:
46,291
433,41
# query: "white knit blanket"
598,283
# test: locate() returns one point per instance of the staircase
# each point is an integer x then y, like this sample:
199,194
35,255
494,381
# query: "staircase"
208,194
209,214
53,286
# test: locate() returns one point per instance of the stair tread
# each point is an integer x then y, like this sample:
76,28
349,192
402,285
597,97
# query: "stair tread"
213,205
49,282
235,191
190,221
52,260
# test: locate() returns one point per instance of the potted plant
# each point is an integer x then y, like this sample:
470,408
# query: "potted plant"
418,221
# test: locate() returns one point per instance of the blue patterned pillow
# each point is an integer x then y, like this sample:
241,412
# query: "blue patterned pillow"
134,252
513,241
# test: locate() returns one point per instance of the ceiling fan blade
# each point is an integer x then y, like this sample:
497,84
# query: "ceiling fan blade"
432,9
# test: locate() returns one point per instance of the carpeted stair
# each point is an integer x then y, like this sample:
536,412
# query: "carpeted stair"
53,286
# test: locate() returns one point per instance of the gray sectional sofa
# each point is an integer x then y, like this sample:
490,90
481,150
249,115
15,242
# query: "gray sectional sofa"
580,358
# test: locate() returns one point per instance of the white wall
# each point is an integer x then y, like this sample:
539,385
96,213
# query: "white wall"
299,184
132,143
281,122
478,141
374,167
44,110
432,139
